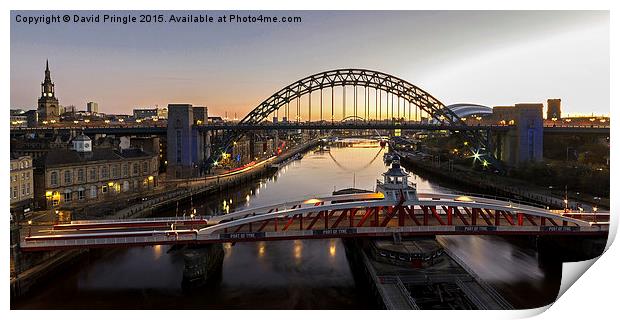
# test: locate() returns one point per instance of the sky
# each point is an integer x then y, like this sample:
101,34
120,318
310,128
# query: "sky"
484,57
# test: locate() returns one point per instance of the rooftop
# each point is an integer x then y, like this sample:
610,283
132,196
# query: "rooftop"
58,157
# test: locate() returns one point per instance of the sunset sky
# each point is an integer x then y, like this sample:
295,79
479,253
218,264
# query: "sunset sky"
487,57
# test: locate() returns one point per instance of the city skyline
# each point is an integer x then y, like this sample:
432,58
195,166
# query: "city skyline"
475,57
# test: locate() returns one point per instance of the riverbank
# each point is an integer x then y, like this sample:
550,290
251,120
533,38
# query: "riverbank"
493,184
46,266
208,185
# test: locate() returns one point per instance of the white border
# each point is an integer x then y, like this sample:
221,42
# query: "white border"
594,295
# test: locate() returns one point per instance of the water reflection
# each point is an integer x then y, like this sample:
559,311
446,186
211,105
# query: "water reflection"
261,249
157,252
297,247
276,274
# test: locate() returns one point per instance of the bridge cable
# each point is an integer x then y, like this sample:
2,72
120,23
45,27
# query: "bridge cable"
321,104
344,101
332,104
309,106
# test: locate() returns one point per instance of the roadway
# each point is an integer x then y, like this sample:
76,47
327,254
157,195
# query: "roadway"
325,125
356,215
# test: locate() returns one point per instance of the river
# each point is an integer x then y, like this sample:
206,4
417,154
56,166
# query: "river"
301,274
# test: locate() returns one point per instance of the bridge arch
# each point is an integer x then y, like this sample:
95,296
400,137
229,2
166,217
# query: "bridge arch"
386,207
344,168
369,79
348,118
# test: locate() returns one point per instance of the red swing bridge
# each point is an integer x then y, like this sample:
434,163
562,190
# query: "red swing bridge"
394,208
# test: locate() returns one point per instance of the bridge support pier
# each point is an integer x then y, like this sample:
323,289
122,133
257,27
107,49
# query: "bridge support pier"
203,265
569,248
523,143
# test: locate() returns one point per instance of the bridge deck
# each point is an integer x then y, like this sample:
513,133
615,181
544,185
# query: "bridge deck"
359,215
325,125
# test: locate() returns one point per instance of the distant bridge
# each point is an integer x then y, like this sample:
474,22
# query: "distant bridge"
353,215
376,101
317,125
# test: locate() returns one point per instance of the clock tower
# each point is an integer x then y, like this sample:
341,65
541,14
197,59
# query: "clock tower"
48,108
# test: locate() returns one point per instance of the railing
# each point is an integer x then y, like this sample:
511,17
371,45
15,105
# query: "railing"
490,290
403,290
157,219
506,199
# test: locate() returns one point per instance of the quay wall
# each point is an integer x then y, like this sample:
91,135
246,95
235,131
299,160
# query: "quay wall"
39,268
482,182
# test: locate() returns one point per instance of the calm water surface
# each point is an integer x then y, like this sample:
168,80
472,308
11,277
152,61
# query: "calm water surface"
301,274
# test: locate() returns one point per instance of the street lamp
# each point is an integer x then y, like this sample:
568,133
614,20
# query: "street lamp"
594,209
29,228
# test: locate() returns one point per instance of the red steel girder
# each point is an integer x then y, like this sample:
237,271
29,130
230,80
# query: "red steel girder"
239,228
367,214
495,216
391,211
262,226
508,217
290,221
542,220
315,219
458,214
425,217
448,211
484,216
340,218
411,213
473,214
436,215
529,218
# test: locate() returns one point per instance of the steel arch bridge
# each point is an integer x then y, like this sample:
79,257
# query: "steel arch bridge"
380,82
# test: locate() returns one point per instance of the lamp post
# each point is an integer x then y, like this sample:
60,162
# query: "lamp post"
48,197
565,198
594,209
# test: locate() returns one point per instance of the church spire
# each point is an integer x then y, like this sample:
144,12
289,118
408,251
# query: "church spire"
47,71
